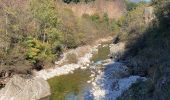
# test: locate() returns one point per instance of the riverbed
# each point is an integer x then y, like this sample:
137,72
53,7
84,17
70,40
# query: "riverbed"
94,77
73,86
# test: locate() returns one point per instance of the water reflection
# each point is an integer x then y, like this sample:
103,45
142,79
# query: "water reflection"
74,86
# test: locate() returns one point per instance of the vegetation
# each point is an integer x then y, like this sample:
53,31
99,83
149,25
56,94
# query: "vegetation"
141,90
130,5
35,32
72,58
77,1
102,53
148,50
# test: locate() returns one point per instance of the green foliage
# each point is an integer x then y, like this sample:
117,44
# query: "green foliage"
130,5
149,46
102,53
41,30
44,11
38,51
162,12
115,26
95,18
121,21
133,23
48,43
106,18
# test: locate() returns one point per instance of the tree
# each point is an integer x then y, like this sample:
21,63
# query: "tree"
162,12
49,35
44,11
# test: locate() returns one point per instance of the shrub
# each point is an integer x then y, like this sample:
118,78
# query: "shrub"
72,58
130,5
95,18
114,26
106,18
38,51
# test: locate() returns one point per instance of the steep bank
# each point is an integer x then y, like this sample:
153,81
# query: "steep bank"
148,54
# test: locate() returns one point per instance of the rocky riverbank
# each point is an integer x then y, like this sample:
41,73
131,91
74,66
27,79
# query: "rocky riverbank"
83,54
112,81
109,79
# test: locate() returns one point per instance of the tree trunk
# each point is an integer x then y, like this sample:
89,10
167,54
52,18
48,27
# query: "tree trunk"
6,30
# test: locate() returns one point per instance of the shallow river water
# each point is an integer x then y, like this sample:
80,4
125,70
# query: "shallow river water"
73,86
103,79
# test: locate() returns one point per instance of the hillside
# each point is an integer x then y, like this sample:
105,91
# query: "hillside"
85,49
114,8
146,32
35,33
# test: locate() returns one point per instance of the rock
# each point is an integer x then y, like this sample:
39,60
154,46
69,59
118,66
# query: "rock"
83,68
115,39
39,65
6,73
88,81
92,75
112,82
19,88
149,14
106,61
119,70
117,50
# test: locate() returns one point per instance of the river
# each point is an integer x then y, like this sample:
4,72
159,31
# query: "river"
99,79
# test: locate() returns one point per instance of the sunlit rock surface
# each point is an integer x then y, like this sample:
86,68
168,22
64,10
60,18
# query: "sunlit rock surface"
19,88
112,82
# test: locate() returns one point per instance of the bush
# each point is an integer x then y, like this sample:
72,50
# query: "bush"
95,18
115,27
130,5
71,58
106,18
38,51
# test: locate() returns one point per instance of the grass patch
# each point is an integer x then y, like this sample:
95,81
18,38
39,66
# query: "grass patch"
102,53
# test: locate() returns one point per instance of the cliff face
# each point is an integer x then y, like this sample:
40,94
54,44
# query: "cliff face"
114,8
